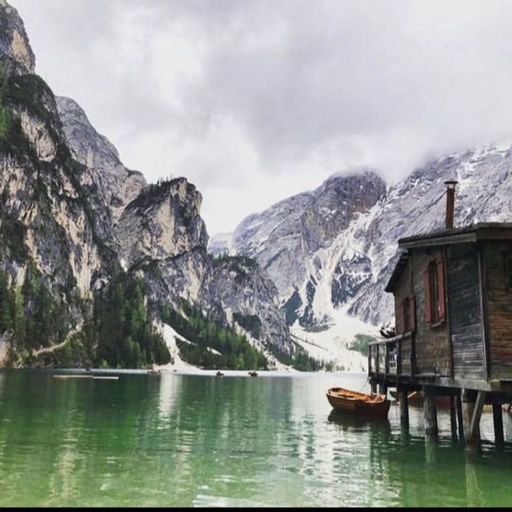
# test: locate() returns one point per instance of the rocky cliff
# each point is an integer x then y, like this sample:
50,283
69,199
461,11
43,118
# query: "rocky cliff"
289,238
16,54
117,185
78,228
249,299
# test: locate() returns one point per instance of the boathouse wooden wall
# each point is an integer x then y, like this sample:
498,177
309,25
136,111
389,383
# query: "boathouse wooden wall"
465,312
403,289
498,304
432,345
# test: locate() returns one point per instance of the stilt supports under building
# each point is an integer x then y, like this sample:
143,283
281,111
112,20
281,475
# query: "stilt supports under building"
429,413
497,414
403,403
453,417
460,417
472,410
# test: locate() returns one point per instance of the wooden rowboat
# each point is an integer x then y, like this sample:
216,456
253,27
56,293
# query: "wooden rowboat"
359,403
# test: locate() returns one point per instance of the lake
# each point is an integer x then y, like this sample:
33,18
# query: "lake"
195,440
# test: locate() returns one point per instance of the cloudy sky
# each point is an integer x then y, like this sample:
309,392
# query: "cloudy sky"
255,100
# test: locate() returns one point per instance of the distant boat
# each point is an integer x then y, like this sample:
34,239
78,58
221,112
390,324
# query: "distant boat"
92,377
253,373
358,403
219,374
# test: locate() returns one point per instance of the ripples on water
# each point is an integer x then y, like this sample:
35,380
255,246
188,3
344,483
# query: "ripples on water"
191,440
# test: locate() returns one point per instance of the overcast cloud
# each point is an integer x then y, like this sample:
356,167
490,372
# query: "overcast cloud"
254,100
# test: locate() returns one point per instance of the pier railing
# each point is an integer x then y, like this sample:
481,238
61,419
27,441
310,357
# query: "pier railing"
391,357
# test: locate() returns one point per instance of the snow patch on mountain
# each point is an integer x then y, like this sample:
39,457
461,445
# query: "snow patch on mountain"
333,344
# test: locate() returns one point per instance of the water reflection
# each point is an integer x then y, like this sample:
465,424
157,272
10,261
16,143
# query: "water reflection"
183,440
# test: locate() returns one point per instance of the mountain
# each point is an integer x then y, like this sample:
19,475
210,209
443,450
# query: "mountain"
96,265
285,237
335,280
117,184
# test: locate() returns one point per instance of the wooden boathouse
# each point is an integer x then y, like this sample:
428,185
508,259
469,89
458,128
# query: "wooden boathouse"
453,316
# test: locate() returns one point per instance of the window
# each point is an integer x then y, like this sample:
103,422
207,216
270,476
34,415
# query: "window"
435,311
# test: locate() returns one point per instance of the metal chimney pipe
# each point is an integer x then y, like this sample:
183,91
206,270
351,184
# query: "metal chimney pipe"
450,202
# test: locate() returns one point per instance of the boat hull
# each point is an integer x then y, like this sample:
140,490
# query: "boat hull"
358,403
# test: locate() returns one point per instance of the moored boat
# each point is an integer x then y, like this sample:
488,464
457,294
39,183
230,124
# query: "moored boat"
359,403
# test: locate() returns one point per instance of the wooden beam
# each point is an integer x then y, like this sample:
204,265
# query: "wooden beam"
477,413
429,413
472,409
439,240
460,418
403,402
448,312
497,414
482,279
453,418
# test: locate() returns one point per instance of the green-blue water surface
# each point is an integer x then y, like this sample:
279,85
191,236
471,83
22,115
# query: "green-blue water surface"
200,440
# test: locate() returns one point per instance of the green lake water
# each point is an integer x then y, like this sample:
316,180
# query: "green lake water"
196,440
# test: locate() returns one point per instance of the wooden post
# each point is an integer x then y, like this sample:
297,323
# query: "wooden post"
498,424
403,402
472,409
373,385
386,361
460,418
453,418
383,388
429,413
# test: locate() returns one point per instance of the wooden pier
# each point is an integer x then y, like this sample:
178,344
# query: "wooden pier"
453,310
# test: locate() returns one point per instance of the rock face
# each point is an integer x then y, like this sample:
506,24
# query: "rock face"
117,184
15,52
47,216
52,228
287,238
162,232
250,300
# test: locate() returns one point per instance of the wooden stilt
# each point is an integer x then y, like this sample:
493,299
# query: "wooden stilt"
403,402
460,420
472,409
383,389
453,418
373,386
498,424
429,413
